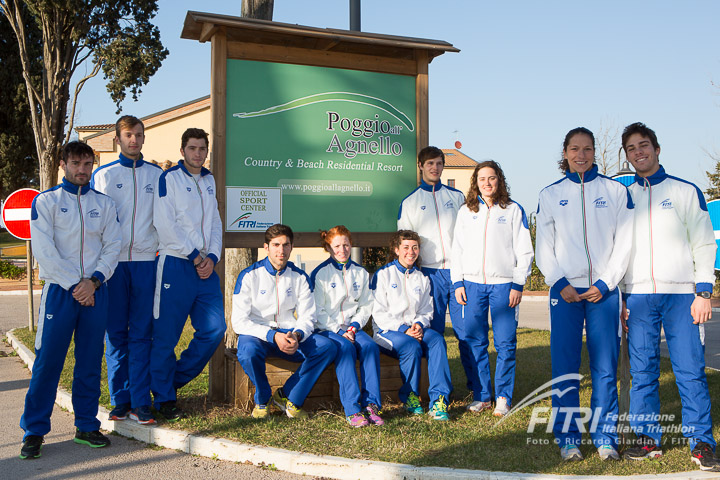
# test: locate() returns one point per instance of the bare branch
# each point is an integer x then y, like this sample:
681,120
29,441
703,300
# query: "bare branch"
78,87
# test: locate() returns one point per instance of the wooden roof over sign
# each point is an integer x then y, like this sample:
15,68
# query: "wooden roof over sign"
202,26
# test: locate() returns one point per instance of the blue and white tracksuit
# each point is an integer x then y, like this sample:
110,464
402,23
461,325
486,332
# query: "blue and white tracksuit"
75,235
430,210
672,258
188,224
402,298
491,254
584,236
268,301
131,185
343,299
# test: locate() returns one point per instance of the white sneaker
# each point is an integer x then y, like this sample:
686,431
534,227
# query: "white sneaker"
570,453
478,406
607,452
501,407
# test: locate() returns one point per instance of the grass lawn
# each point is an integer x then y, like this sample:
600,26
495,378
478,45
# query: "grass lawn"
468,441
7,240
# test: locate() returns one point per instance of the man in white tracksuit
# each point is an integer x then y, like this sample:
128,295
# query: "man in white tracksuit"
131,182
76,240
668,284
190,233
430,210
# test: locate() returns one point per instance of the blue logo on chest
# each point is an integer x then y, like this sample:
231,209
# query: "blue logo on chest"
63,209
449,204
189,189
94,213
118,185
393,285
600,203
148,188
502,220
563,203
332,285
666,204
422,207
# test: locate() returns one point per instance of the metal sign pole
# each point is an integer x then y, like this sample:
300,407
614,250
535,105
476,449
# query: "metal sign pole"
31,318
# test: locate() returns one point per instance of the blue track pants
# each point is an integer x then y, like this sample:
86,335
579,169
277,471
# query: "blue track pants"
60,317
129,332
685,341
365,349
314,354
179,292
471,328
410,352
601,321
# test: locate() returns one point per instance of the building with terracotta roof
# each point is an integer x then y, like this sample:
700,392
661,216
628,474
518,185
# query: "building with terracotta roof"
458,169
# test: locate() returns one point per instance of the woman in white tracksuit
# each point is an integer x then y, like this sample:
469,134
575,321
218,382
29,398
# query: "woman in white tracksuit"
490,261
401,319
344,304
584,237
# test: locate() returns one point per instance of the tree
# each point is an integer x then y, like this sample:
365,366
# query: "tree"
18,158
607,149
118,37
713,191
237,259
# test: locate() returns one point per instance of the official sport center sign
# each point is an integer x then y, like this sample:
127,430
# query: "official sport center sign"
314,147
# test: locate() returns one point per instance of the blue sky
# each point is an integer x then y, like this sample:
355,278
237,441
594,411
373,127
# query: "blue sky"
528,72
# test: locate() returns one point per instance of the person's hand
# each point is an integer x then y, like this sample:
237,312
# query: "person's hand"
569,294
460,296
84,293
205,268
515,298
350,334
416,332
286,342
701,310
592,295
624,316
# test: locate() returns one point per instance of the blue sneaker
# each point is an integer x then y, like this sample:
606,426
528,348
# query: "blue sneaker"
142,415
120,412
412,405
438,411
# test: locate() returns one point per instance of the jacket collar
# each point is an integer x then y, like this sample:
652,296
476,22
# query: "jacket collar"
128,162
653,179
429,188
340,266
588,176
203,171
270,269
403,269
72,188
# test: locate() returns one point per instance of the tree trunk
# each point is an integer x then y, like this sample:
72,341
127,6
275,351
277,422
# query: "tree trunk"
237,259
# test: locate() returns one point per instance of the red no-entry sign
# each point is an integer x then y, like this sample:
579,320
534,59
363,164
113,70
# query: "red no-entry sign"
16,212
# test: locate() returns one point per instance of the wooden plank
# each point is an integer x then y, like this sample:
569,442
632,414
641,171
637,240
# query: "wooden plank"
321,58
216,369
421,99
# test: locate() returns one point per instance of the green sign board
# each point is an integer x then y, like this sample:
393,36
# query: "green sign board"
314,147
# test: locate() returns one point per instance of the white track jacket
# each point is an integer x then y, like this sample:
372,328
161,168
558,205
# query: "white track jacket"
402,297
430,210
342,295
266,300
186,214
491,246
584,231
674,245
132,187
75,234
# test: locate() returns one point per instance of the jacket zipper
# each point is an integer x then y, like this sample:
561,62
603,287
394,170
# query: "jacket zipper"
407,297
132,224
584,219
347,293
437,214
487,220
202,213
82,234
652,267
277,299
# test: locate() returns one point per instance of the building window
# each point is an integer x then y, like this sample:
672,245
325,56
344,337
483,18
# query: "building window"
451,183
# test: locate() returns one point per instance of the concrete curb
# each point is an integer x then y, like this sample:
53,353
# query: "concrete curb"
36,291
304,463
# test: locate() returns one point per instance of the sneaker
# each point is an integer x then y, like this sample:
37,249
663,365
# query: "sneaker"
372,412
260,411
119,412
501,407
92,439
607,452
142,415
170,411
293,411
645,448
32,444
358,420
703,455
478,406
438,411
412,404
279,399
570,453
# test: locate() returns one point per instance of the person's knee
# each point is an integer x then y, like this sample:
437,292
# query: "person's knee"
248,349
